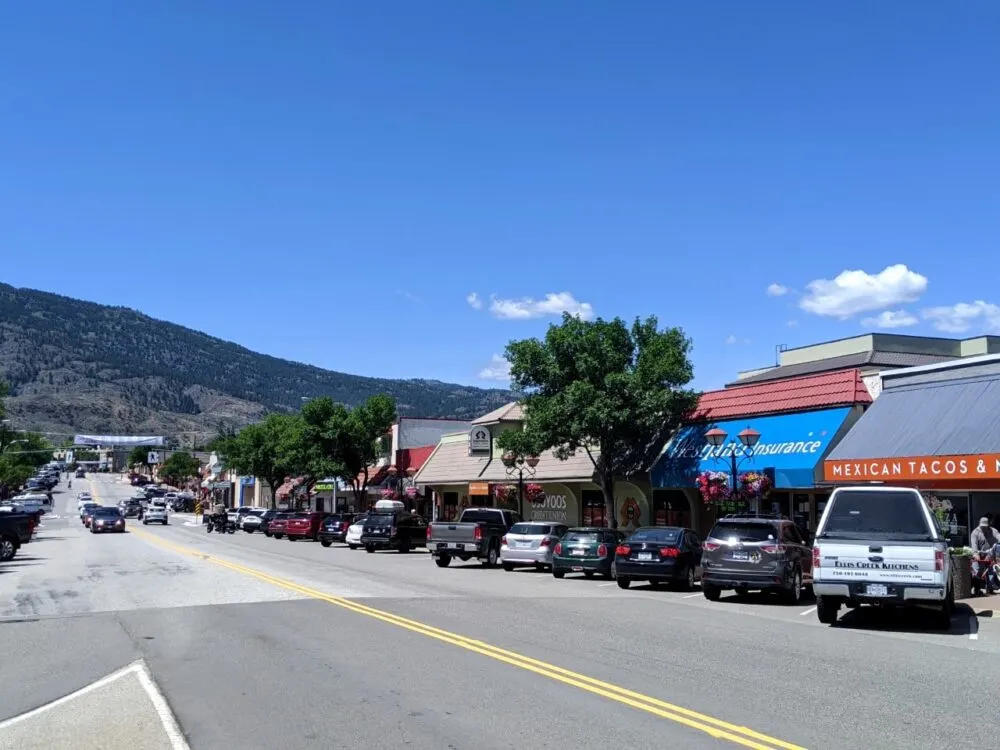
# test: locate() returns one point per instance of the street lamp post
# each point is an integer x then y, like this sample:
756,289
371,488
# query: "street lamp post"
739,450
519,466
400,481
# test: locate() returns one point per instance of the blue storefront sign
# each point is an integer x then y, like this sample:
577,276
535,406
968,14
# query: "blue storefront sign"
791,446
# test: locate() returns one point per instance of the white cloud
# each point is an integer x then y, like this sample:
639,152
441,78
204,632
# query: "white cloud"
792,323
731,339
776,290
853,292
963,316
891,319
498,369
474,301
526,308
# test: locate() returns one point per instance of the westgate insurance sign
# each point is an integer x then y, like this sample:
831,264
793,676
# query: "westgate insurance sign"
913,469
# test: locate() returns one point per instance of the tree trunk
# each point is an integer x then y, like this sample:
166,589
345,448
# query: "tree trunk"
608,488
274,494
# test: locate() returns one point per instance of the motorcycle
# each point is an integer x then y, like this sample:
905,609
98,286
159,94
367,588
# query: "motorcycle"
220,525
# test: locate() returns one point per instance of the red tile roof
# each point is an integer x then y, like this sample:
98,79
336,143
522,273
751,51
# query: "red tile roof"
823,391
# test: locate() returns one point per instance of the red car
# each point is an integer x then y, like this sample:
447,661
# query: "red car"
305,526
278,525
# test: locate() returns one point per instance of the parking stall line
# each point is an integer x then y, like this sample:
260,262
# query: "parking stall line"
692,596
807,612
678,714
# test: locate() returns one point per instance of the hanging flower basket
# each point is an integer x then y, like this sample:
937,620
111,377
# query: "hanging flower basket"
533,493
714,487
412,492
755,484
388,493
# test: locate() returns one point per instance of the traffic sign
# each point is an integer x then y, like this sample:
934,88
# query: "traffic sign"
153,458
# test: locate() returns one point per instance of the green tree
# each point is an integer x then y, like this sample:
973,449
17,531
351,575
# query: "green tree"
270,450
179,467
613,391
20,455
138,458
345,442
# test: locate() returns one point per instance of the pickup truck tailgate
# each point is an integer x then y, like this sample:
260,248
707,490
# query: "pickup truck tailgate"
453,532
878,563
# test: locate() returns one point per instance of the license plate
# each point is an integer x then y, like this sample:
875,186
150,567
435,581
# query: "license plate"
523,545
741,555
579,552
645,555
877,589
576,569
442,545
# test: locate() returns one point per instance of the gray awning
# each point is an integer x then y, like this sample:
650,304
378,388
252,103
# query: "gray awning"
952,418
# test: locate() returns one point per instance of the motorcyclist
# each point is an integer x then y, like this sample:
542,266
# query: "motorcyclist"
984,539
219,517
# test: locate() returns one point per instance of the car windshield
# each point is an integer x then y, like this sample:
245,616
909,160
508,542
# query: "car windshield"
531,529
859,514
663,536
743,532
587,537
380,520
475,516
106,512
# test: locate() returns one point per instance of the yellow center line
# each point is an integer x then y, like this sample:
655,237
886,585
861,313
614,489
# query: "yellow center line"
710,725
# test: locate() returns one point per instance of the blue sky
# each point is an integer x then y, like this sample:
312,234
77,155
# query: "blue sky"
330,181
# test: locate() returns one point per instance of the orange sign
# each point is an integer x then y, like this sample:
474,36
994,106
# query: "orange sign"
913,469
479,488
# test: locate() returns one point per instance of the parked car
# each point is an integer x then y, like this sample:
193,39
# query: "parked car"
278,525
476,534
304,526
659,554
251,521
334,528
265,520
881,545
530,543
80,474
762,553
106,518
155,512
589,550
397,529
15,530
353,536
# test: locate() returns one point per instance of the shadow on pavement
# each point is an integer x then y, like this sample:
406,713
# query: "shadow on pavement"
964,622
768,599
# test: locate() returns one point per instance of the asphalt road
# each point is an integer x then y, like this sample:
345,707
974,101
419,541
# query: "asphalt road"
246,641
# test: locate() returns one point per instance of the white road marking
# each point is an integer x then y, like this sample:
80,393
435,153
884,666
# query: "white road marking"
973,628
807,612
173,732
692,596
605,585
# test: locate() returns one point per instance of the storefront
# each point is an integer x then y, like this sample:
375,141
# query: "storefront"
791,443
936,428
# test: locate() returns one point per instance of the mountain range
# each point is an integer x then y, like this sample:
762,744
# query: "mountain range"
76,366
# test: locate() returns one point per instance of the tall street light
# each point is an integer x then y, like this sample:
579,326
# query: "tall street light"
739,450
521,467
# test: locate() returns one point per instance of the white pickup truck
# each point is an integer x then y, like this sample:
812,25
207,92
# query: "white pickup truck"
881,546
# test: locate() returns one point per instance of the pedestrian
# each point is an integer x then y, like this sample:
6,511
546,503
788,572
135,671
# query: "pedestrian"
984,539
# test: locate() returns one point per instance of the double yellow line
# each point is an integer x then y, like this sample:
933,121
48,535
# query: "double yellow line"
715,727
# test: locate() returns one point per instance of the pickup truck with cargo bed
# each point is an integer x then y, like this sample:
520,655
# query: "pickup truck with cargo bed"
881,546
477,533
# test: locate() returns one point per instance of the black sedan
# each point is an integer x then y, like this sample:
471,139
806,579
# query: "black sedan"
106,518
334,528
659,554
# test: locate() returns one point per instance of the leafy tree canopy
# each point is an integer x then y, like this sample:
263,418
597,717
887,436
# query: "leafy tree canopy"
614,391
137,457
347,441
179,467
270,450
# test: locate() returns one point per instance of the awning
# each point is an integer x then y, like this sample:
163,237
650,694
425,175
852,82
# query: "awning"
375,475
924,432
791,445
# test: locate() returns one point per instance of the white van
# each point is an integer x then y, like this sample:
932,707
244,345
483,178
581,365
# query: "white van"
156,512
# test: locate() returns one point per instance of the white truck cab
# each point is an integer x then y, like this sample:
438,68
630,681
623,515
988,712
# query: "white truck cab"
878,545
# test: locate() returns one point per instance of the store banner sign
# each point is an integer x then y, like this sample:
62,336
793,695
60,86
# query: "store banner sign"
323,487
913,469
479,440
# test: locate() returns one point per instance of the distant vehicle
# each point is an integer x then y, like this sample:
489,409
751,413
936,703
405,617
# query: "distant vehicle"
476,534
278,525
530,543
353,536
589,550
87,514
80,474
398,530
334,528
156,512
251,521
659,554
107,518
304,526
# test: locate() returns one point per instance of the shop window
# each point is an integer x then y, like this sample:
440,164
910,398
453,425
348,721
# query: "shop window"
780,503
594,511
479,501
450,507
671,508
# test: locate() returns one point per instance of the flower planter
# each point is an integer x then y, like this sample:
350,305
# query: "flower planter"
961,576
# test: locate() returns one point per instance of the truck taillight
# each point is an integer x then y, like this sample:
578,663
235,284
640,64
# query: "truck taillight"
815,557
938,559
669,552
623,550
709,546
428,532
558,549
503,540
545,542
478,534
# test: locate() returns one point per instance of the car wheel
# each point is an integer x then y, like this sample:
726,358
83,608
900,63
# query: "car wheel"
689,579
370,549
942,618
325,542
145,522
623,582
742,592
404,548
793,595
558,573
7,549
827,610
267,534
442,561
491,557
352,546
508,567
291,538
588,573
712,593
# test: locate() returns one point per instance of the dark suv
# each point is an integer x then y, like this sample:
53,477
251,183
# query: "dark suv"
763,553
400,531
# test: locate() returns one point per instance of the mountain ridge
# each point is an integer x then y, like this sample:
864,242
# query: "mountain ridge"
76,365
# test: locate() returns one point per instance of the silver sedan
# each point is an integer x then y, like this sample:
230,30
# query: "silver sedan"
530,543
